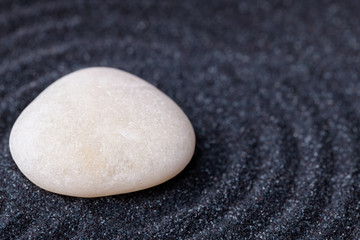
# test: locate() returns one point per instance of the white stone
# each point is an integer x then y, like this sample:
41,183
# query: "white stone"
101,131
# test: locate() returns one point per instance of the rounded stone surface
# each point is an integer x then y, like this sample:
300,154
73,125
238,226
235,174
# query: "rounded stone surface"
101,131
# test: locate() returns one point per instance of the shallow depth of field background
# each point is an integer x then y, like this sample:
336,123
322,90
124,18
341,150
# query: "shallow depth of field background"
271,87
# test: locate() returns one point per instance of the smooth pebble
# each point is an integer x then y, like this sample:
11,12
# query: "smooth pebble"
101,131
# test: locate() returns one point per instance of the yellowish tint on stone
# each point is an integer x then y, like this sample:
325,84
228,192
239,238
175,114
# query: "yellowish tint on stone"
101,131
